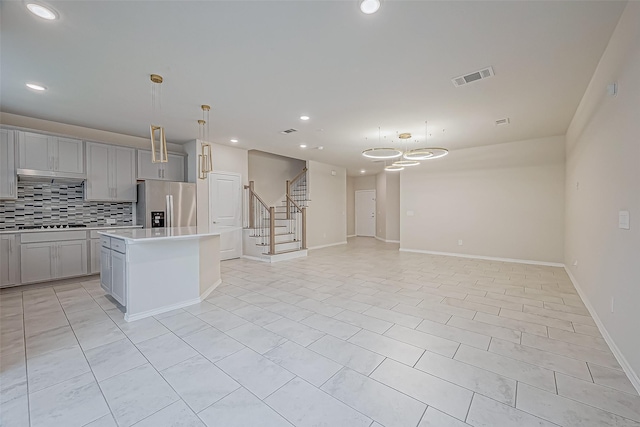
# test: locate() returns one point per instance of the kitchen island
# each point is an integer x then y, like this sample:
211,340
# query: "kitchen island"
154,270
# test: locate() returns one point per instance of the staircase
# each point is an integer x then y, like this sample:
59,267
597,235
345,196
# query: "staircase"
277,233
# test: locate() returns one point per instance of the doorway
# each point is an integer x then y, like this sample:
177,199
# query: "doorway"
365,213
225,210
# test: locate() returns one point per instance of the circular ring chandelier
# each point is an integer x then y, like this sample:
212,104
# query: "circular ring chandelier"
409,157
382,153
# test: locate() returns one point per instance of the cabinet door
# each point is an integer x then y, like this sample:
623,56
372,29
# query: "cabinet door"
8,260
36,262
97,186
105,269
35,151
118,277
174,168
95,256
69,156
71,259
147,169
124,174
8,188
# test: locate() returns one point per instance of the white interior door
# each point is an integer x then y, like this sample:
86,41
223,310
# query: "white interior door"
225,210
366,213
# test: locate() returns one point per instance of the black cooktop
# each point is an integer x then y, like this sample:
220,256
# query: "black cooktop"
49,227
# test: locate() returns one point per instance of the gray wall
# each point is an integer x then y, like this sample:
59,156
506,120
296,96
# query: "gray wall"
603,178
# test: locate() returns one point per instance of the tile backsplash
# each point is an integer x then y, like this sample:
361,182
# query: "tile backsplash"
44,203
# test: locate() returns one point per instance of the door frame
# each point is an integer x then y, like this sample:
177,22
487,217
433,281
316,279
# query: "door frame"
355,211
240,201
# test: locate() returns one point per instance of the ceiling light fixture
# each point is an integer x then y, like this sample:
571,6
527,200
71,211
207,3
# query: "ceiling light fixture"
303,145
427,153
394,168
304,117
382,153
369,6
158,155
362,171
234,140
42,11
35,86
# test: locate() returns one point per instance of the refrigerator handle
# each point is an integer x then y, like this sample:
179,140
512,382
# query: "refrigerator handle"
171,207
168,209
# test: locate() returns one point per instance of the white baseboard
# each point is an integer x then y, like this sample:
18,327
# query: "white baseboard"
171,307
488,258
329,245
633,376
351,235
386,241
254,258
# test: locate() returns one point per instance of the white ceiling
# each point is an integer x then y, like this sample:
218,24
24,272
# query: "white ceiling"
262,64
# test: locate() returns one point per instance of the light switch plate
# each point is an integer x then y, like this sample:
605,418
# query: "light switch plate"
623,220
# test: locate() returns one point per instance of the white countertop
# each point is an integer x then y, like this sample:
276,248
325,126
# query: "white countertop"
39,230
173,233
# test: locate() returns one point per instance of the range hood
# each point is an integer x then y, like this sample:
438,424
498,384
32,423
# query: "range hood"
31,175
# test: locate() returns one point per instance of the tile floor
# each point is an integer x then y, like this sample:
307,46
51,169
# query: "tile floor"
355,335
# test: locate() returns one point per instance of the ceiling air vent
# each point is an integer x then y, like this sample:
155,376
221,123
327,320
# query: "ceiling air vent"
288,131
472,77
501,122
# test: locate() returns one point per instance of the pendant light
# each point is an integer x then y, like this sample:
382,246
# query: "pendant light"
205,161
159,150
427,153
405,163
382,153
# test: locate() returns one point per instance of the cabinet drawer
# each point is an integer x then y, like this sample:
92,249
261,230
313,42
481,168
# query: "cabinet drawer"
105,241
118,246
52,236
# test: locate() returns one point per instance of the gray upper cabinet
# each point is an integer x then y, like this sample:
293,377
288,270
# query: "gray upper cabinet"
172,170
45,155
8,187
111,173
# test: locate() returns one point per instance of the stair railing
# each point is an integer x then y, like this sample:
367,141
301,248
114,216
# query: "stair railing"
296,191
262,219
300,224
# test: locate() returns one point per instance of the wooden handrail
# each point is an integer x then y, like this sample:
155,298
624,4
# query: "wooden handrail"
250,187
299,175
294,203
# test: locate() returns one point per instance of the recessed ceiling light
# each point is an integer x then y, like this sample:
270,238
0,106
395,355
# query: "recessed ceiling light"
42,11
369,6
304,117
320,147
34,86
234,140
303,145
362,171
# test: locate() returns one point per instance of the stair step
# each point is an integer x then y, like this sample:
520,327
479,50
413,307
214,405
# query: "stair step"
284,242
288,251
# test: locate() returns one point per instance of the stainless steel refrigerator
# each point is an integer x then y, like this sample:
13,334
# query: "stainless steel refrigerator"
166,204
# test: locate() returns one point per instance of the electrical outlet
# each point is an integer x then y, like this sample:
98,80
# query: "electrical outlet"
111,221
324,234
575,262
460,242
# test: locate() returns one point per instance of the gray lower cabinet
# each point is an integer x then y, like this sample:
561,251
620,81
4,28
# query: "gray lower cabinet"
9,269
118,276
44,261
94,267
37,261
113,278
105,269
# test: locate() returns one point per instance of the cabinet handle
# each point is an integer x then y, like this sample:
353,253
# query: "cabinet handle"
115,193
163,173
159,175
